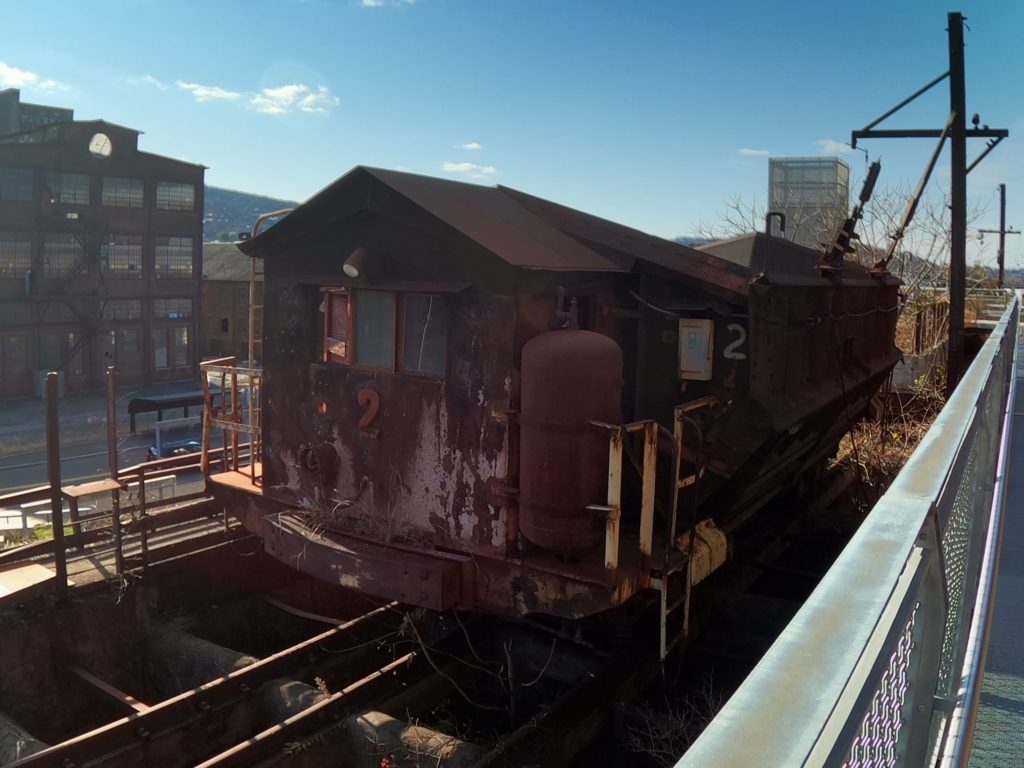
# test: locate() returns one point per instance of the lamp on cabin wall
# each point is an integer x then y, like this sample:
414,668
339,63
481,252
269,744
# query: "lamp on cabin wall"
355,264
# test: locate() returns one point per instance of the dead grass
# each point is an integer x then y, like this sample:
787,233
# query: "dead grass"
878,449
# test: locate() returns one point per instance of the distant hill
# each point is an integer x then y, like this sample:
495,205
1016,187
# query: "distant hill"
691,241
227,212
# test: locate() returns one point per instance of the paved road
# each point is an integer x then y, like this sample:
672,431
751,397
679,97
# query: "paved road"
79,463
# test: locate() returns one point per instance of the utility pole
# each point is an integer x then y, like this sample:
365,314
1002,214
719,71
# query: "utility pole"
1002,232
958,135
957,204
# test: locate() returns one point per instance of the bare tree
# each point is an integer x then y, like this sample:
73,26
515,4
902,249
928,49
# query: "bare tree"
921,257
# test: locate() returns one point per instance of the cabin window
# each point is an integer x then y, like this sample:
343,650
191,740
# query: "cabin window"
374,328
385,330
336,322
424,327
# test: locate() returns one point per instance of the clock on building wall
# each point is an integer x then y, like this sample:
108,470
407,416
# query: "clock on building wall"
100,146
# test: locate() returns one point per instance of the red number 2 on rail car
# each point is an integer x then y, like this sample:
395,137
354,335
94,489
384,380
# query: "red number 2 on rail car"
370,400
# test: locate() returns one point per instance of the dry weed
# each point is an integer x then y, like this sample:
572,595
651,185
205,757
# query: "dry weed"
879,448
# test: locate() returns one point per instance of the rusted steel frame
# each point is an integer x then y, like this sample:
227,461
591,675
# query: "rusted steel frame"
56,497
115,523
157,521
191,705
43,548
647,497
908,215
143,533
300,613
234,427
117,695
112,421
189,546
39,493
270,740
204,449
611,510
224,433
76,525
236,417
903,103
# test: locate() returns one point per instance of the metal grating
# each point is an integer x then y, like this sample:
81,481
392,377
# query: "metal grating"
877,741
956,543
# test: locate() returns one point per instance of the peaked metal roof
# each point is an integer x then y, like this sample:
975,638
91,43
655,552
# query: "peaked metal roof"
524,231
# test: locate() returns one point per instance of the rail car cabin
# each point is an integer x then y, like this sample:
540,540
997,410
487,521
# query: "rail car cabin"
475,398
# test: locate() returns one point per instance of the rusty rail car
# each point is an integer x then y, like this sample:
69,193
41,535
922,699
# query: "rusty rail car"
474,398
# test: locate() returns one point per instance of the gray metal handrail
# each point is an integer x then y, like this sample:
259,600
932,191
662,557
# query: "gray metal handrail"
870,669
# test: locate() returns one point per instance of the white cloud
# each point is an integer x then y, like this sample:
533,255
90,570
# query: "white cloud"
148,80
747,152
472,146
288,98
12,77
279,100
208,92
381,3
472,169
833,147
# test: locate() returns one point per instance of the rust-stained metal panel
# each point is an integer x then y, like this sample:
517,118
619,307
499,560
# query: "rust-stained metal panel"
391,574
569,378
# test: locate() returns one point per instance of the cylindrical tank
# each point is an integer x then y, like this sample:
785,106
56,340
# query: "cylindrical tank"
569,378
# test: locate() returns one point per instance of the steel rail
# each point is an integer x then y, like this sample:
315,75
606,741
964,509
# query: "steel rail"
961,726
270,740
801,703
132,731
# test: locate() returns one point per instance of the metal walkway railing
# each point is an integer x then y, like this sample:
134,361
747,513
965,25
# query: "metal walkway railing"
880,667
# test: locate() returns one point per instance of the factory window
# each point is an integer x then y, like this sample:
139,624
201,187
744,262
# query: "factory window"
122,193
366,328
173,257
16,184
130,340
170,347
171,196
62,254
16,313
173,309
75,366
122,309
49,351
122,256
15,253
70,188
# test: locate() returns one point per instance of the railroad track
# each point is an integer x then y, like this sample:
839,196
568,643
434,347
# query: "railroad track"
285,671
227,658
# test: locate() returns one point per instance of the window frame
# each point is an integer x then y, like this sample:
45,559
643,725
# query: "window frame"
12,184
119,192
169,196
14,253
397,333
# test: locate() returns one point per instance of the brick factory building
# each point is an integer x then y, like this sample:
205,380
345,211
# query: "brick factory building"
100,253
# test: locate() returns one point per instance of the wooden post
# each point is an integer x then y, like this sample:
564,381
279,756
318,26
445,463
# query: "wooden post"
56,497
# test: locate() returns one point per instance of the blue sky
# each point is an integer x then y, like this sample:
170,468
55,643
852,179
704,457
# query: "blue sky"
648,113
